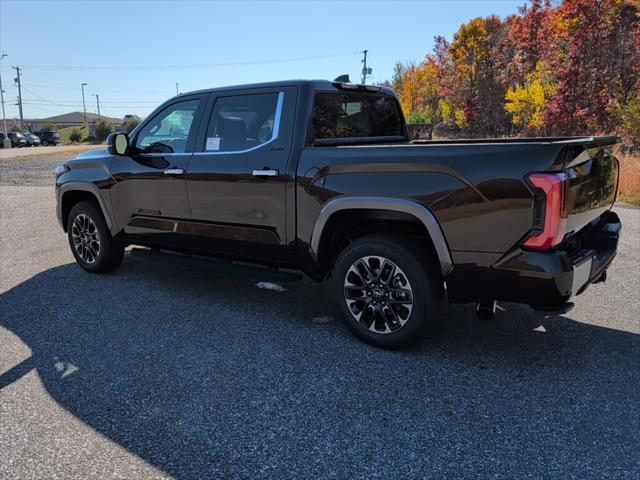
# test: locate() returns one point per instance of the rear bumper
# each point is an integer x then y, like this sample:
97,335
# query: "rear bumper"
544,280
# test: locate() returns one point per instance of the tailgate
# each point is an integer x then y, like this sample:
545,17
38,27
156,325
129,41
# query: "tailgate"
592,182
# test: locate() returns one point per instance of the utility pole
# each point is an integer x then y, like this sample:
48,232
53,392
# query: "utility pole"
177,88
17,80
84,108
6,141
98,103
365,71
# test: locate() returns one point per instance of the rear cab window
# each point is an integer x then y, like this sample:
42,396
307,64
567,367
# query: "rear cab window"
356,117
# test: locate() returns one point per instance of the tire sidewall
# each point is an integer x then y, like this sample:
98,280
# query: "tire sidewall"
407,257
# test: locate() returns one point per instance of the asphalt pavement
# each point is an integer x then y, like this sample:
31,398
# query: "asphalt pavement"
184,368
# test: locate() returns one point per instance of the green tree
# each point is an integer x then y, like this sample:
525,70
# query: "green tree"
48,127
131,124
102,130
75,136
418,116
629,115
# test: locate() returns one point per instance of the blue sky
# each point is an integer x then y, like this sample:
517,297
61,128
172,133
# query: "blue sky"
132,53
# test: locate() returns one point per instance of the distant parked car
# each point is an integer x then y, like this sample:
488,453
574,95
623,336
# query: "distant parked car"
17,139
32,140
48,138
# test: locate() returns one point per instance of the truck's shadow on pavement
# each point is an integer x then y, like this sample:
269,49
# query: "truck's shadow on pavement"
204,375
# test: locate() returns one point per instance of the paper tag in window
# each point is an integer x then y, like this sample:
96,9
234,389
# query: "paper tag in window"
213,143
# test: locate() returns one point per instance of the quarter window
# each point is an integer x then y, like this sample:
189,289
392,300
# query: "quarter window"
168,131
349,115
242,122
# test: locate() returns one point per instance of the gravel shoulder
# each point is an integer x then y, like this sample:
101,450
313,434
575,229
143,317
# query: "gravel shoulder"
31,172
32,153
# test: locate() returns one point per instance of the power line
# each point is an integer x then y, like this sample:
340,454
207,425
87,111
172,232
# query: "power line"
70,103
173,67
55,87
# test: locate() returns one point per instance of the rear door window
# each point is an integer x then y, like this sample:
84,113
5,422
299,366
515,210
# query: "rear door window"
352,115
244,122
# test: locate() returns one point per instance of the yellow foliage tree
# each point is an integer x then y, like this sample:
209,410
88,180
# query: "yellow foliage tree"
445,109
420,85
470,46
526,103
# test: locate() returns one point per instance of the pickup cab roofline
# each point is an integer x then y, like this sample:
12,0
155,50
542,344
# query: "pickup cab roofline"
318,85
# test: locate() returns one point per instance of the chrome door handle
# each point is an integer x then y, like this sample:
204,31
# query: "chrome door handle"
174,171
266,173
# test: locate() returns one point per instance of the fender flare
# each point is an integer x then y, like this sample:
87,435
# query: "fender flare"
410,207
85,187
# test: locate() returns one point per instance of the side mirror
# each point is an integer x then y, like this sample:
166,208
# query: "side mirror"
118,143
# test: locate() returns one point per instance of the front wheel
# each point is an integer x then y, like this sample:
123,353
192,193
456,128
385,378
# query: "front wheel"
384,286
91,243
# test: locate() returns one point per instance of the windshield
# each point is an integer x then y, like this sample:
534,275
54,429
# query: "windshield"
352,115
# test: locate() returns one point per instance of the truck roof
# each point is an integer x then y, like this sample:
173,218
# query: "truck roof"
320,85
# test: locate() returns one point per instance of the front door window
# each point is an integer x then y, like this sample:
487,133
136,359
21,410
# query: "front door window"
169,131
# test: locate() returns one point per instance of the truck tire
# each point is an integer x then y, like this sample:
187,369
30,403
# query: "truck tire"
91,243
45,143
384,287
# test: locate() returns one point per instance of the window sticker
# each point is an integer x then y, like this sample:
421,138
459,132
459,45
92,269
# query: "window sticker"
213,143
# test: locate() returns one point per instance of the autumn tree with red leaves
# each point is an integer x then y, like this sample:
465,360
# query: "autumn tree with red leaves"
570,69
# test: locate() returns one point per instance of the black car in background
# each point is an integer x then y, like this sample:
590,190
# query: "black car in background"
17,139
32,140
48,138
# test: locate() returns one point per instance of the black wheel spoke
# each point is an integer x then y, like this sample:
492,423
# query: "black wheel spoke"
400,295
363,264
354,293
391,318
386,272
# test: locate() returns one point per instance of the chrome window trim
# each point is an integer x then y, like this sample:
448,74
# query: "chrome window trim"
274,134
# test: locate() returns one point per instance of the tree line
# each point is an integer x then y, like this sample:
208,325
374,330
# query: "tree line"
569,69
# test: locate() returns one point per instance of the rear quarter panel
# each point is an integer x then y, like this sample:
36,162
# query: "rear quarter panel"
476,192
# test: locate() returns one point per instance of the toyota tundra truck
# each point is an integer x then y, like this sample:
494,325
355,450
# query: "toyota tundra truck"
321,177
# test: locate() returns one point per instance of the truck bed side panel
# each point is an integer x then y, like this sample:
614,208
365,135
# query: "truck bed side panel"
477,192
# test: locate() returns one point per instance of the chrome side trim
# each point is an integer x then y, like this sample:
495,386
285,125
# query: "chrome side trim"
419,211
274,134
265,173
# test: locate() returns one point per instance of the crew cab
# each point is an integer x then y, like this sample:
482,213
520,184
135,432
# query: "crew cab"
321,176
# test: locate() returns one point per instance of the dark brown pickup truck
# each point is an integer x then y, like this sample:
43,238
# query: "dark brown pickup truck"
320,176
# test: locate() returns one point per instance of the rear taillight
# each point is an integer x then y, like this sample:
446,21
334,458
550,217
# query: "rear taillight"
551,189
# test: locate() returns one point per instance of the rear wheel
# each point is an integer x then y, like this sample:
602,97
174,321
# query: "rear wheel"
383,284
45,143
91,243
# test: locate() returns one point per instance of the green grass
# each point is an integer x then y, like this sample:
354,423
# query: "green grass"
66,132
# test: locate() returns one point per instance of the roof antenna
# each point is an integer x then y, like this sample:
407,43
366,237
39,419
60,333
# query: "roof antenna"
343,78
